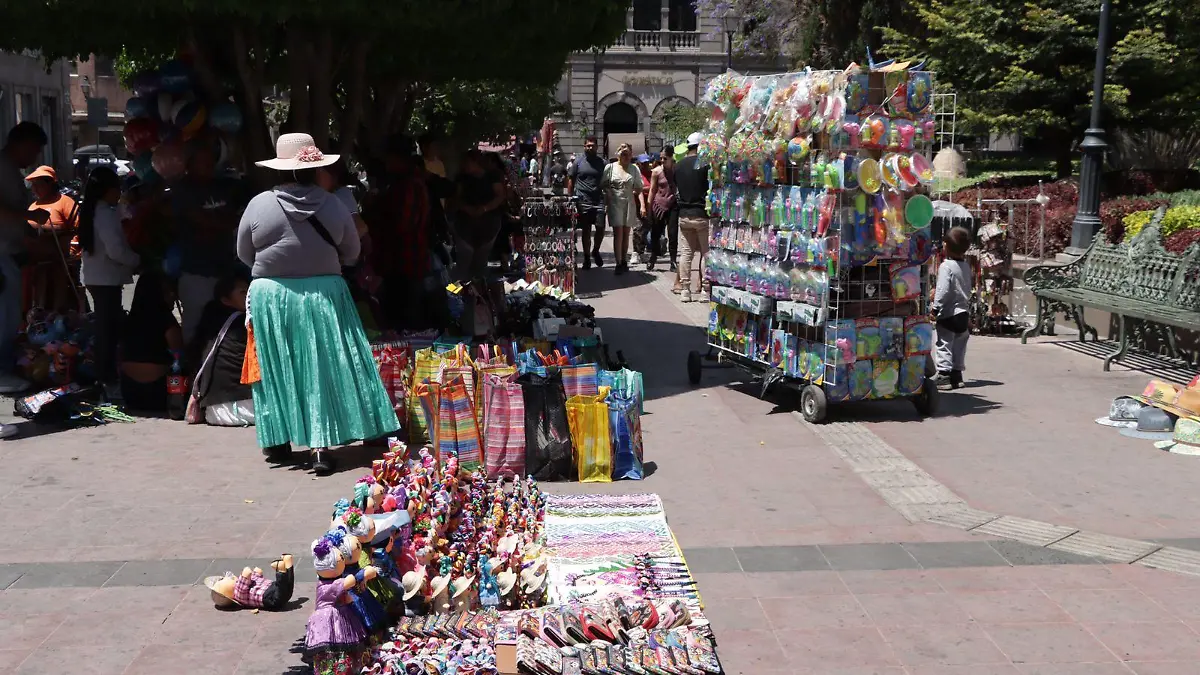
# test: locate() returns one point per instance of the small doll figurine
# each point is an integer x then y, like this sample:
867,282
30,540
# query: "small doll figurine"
335,638
506,581
414,583
369,611
251,589
489,594
463,598
339,508
368,495
384,586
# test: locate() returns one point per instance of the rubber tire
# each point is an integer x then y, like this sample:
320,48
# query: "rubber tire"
813,406
693,367
926,402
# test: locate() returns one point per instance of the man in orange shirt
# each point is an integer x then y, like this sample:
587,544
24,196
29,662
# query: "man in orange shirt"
54,278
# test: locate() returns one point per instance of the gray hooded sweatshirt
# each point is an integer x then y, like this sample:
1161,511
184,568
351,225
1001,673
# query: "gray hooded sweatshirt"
276,239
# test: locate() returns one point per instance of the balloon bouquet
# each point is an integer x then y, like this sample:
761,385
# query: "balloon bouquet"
166,114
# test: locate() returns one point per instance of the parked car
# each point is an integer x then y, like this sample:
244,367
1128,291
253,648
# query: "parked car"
89,157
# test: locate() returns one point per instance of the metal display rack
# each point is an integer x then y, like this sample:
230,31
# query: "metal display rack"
550,226
819,285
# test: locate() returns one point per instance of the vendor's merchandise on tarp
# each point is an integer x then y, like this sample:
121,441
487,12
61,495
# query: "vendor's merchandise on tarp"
428,565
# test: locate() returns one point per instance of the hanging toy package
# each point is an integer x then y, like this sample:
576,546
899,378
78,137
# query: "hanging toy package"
886,378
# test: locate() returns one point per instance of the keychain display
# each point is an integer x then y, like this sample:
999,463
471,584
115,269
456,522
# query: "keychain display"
550,226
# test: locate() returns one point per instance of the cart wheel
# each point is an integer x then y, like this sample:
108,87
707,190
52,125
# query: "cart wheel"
926,401
813,406
693,367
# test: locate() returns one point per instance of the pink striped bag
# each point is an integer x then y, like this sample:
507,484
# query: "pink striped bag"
581,380
503,426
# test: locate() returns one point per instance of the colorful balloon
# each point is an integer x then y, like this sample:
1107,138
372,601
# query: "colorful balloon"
145,84
165,103
168,160
143,166
175,77
225,117
189,118
137,107
141,135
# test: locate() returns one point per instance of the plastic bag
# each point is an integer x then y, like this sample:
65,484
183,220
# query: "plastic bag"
625,429
503,425
625,382
587,417
581,380
458,429
548,451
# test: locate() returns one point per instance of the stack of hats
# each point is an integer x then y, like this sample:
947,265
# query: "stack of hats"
1164,412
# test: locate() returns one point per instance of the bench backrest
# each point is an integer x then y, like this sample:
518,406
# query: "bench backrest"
1141,269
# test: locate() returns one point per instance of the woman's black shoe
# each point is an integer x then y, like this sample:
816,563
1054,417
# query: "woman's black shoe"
956,379
621,267
597,258
322,466
278,453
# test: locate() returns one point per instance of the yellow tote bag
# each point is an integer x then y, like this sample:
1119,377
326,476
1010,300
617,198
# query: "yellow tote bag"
587,417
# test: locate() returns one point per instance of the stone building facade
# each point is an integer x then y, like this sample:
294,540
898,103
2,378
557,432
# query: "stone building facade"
32,91
665,58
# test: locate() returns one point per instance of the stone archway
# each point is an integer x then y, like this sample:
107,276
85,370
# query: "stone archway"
664,105
623,97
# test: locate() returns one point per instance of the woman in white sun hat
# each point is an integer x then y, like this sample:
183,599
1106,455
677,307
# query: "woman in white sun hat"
315,383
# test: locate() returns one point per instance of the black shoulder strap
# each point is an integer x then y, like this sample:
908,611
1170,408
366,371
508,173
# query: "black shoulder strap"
321,230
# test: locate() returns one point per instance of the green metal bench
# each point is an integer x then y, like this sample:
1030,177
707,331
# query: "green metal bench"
1150,290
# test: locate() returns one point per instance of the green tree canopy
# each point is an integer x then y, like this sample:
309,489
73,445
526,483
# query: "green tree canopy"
355,61
1026,65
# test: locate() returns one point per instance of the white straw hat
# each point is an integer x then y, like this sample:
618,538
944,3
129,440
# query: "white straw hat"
297,151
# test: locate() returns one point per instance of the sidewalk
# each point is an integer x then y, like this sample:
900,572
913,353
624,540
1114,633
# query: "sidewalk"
804,568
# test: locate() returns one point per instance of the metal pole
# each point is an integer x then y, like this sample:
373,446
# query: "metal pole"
1094,145
729,49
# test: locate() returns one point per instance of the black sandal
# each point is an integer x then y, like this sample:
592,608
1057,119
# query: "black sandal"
322,466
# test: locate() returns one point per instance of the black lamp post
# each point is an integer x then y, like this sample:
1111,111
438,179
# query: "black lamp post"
1087,216
731,23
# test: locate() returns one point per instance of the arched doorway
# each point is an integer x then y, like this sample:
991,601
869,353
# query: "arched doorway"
620,118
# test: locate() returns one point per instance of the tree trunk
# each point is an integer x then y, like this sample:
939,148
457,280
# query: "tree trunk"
320,94
299,59
202,61
1063,155
356,93
256,140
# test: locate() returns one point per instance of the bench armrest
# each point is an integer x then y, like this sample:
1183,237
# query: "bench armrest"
1041,277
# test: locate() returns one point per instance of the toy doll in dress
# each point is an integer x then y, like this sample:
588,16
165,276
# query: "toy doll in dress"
335,639
383,587
370,612
252,589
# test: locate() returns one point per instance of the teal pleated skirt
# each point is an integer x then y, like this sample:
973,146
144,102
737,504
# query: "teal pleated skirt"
320,386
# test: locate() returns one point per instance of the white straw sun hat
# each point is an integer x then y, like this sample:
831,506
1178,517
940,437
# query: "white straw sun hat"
297,151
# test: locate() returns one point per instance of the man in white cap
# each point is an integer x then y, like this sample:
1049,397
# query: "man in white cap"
691,180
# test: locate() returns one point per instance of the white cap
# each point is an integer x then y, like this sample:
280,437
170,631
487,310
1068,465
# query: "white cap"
694,139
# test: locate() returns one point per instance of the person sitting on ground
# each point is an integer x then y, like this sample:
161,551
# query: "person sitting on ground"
951,308
151,344
217,354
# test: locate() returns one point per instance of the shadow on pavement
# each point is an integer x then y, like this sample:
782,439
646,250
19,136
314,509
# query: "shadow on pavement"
659,350
1154,365
602,280
345,459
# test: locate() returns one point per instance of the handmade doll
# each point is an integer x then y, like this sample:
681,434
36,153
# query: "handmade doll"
385,586
251,589
335,638
368,495
369,611
463,594
506,581
339,507
414,584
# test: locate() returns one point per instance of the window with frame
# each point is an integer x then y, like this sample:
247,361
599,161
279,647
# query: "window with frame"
647,14
681,15
104,66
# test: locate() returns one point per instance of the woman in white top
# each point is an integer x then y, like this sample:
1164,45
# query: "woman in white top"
623,194
107,264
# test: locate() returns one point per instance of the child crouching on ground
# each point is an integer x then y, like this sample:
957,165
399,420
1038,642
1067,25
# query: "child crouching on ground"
951,308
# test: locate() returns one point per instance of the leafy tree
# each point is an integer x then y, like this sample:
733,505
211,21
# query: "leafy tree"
824,34
677,121
354,62
1026,65
473,110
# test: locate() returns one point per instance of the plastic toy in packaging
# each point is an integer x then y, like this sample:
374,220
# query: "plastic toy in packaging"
912,375
895,84
837,383
868,343
885,378
920,86
891,337
839,334
778,348
862,376
918,336
906,282
920,246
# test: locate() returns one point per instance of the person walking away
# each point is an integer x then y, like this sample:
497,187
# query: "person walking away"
664,211
318,385
480,200
55,275
151,344
24,144
641,231
622,183
691,180
583,183
207,207
951,308
217,354
401,232
107,265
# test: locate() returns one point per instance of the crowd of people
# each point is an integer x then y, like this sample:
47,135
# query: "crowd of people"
644,199
263,300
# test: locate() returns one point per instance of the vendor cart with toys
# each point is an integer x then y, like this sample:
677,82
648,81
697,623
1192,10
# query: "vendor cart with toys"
819,262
